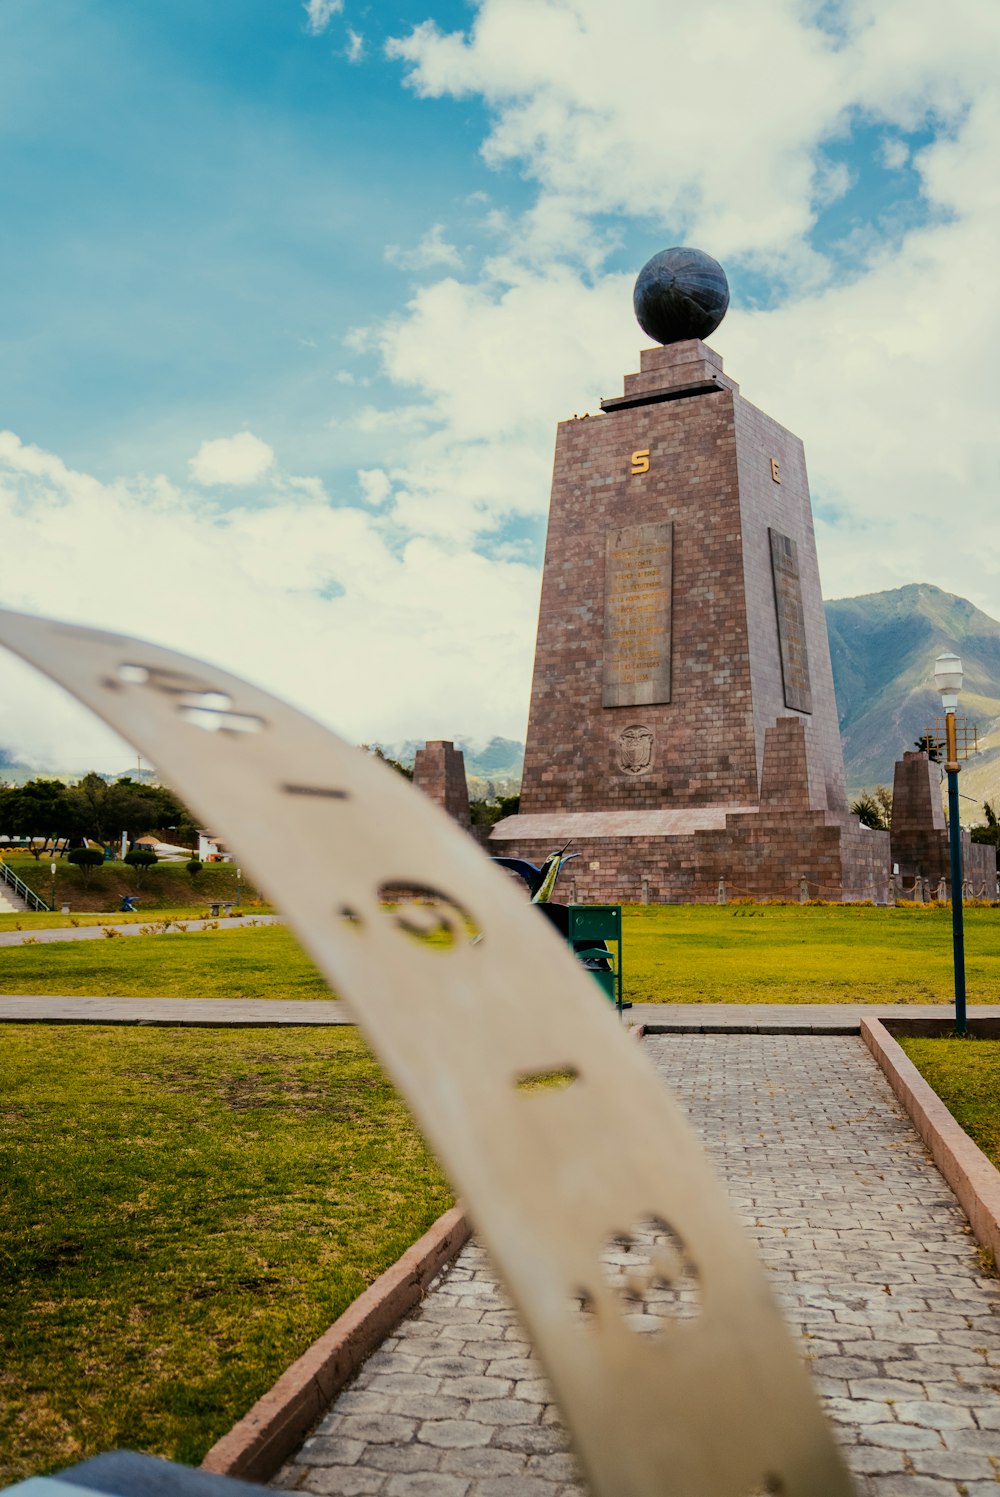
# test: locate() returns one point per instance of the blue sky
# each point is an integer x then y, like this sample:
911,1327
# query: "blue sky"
294,295
197,201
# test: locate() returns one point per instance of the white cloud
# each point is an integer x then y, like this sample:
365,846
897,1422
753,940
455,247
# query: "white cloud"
586,111
376,486
726,152
498,363
886,369
319,14
355,49
432,250
242,459
895,153
420,637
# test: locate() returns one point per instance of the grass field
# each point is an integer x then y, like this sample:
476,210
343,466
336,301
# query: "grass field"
261,962
182,1213
805,954
965,1073
673,954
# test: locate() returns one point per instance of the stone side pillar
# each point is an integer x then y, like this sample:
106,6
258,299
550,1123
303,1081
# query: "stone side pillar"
784,781
920,832
439,771
918,837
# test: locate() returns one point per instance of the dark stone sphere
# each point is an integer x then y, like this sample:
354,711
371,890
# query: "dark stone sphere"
680,293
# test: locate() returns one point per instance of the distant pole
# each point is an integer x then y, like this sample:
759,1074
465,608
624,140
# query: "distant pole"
948,680
52,901
239,875
955,848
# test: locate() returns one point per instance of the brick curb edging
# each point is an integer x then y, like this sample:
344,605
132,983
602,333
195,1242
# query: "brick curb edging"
972,1177
256,1446
720,1026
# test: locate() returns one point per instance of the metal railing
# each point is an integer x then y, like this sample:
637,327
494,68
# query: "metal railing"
32,900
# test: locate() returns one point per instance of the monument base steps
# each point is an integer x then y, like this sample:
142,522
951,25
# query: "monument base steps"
765,854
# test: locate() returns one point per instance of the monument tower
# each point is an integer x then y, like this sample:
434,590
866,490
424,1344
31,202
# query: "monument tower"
683,727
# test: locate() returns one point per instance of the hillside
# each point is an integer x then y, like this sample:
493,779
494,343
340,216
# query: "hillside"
883,647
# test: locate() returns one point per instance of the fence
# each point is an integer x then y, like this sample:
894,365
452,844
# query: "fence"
31,899
919,891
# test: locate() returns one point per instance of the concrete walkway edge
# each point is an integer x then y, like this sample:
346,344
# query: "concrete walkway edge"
972,1177
278,1422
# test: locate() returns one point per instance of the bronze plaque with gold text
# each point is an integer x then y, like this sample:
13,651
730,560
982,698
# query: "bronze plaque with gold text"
791,622
637,589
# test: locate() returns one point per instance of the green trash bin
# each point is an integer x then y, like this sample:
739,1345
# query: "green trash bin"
605,977
590,924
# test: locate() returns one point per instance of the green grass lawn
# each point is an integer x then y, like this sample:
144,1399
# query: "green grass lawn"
965,1073
262,962
182,1214
673,954
805,954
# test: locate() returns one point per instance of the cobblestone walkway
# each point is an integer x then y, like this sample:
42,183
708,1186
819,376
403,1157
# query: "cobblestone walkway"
870,1256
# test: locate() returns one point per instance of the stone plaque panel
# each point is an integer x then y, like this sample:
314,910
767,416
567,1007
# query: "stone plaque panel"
637,597
791,622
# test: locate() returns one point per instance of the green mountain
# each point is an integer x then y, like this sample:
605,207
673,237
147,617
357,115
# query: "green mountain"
883,647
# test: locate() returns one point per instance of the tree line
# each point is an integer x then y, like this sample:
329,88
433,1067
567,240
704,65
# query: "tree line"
64,815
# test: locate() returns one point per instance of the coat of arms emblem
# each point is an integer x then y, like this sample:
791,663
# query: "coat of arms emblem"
635,749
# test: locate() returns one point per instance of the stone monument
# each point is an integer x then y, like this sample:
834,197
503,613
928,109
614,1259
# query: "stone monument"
919,837
683,728
439,771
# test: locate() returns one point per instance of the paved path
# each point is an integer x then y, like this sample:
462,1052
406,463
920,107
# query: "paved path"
673,1018
213,1013
869,1253
789,1018
29,935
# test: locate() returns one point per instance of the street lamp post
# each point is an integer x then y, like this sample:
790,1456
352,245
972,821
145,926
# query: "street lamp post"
948,680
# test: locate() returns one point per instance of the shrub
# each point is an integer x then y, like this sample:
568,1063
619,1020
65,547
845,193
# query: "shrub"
86,859
140,858
488,812
194,867
873,808
989,831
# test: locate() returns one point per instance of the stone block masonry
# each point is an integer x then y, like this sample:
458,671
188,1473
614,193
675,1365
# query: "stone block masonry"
439,771
717,477
683,726
920,834
676,857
